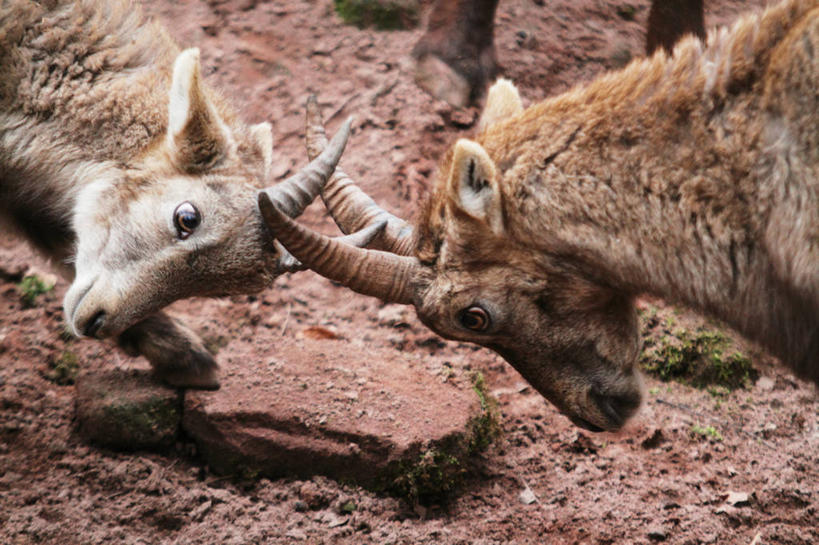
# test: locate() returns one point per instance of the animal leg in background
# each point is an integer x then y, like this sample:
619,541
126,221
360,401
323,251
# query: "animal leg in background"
456,60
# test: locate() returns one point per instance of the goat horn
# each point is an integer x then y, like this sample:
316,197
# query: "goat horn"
360,239
349,206
371,272
295,193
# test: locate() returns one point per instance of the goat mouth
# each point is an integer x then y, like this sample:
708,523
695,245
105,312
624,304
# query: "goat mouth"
585,424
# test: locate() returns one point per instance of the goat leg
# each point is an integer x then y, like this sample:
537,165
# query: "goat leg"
176,353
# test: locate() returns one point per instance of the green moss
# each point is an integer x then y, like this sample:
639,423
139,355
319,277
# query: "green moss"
432,478
380,14
707,432
31,287
485,428
64,369
701,358
151,423
439,472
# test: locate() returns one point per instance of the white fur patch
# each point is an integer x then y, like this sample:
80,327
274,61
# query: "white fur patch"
263,135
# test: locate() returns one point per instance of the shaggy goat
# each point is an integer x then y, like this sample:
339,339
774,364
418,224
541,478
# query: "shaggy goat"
692,177
121,166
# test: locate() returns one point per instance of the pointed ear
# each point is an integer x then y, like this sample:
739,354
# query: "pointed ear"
473,184
262,134
197,137
502,102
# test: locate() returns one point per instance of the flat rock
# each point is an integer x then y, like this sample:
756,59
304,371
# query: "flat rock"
329,407
127,410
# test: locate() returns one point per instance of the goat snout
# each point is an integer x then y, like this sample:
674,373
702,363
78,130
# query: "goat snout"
617,408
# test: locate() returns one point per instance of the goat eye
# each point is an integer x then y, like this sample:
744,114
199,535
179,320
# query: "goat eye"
475,318
186,218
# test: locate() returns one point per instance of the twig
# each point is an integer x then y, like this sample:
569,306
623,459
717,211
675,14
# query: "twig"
756,538
286,318
217,479
341,108
117,494
384,90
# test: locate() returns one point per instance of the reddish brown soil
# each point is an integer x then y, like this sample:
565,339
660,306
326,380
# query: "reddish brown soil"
544,481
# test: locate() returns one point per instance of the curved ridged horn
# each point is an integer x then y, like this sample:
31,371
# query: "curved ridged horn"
371,272
350,207
295,193
360,239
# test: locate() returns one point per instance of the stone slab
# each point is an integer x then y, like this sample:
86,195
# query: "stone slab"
328,407
127,410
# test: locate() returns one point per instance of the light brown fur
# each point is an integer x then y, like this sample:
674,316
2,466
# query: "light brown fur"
91,172
693,178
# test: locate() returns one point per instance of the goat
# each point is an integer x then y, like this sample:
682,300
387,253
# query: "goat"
692,177
124,169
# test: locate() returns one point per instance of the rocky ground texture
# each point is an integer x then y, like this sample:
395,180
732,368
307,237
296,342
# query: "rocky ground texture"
343,420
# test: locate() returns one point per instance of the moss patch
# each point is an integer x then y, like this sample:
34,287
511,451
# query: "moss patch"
127,411
379,14
707,432
699,357
63,370
151,423
438,473
31,287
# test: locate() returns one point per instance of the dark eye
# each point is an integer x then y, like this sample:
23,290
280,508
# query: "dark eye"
186,219
475,318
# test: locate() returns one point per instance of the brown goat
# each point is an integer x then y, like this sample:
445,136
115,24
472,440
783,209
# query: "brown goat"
692,177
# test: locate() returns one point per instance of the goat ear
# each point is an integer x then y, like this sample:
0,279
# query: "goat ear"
473,186
502,102
197,137
262,134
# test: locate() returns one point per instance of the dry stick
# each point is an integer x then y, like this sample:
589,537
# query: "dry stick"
222,478
756,538
117,494
286,318
341,108
384,90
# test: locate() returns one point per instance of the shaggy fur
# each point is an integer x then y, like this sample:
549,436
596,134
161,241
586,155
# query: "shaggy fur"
692,177
105,128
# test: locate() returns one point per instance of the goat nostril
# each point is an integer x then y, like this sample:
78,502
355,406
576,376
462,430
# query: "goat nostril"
619,407
94,324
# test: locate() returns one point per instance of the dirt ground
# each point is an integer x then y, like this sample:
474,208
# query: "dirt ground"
693,467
